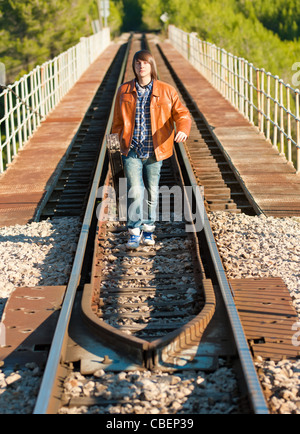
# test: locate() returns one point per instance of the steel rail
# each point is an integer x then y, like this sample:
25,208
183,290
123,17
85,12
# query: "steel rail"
252,382
55,355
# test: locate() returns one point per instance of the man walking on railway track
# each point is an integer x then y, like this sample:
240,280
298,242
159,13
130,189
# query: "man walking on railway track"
145,112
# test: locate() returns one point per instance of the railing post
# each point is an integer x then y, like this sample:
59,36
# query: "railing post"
231,80
7,132
42,98
193,57
19,120
246,88
219,69
268,133
289,125
298,130
236,82
259,108
251,84
242,85
276,126
34,98
225,73
262,104
281,111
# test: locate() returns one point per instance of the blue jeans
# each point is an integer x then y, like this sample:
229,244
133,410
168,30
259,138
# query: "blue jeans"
143,177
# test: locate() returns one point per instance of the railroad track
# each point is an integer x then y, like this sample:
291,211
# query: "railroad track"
166,308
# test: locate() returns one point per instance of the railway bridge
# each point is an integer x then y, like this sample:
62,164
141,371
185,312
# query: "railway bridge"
243,156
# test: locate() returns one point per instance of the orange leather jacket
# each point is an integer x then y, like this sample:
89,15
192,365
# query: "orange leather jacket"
165,109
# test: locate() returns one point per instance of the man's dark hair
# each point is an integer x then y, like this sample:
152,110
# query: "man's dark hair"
145,56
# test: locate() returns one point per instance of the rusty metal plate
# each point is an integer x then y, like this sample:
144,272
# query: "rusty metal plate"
29,319
267,314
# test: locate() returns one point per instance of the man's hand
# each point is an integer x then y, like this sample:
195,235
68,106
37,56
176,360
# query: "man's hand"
180,137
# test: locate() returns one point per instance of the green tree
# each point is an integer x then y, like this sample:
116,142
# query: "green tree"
252,29
152,10
116,17
280,16
33,31
132,15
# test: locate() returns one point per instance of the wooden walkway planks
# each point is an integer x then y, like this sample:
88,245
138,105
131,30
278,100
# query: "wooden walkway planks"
269,180
25,182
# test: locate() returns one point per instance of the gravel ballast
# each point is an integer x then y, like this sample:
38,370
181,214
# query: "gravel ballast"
32,255
42,253
266,247
260,247
146,392
37,254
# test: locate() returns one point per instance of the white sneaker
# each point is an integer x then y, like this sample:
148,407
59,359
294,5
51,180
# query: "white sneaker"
134,240
148,239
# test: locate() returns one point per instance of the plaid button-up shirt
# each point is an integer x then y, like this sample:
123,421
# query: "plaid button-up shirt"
142,141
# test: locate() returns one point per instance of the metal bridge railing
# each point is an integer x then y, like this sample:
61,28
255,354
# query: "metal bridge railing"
265,100
27,102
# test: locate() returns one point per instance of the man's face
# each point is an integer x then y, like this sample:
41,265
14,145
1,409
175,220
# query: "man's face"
143,69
